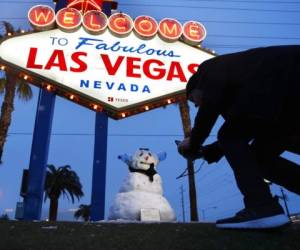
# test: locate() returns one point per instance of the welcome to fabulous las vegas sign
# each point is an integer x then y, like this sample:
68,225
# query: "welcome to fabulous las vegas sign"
115,65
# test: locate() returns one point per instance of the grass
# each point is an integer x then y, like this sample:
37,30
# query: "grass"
15,235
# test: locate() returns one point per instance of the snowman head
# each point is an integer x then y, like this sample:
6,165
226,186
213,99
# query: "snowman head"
143,161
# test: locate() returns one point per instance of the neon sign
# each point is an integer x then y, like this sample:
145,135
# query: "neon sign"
85,5
115,65
121,24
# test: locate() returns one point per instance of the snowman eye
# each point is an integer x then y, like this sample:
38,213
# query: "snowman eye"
141,154
149,154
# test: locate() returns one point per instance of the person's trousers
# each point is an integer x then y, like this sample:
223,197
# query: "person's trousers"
253,152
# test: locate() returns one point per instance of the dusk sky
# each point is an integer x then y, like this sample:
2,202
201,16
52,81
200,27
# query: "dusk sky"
232,26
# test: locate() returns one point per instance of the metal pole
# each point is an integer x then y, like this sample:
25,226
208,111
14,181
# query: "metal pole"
182,203
186,123
60,4
100,155
39,156
99,168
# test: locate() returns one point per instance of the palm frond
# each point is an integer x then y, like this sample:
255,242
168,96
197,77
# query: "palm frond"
52,168
63,180
78,213
8,27
24,91
83,211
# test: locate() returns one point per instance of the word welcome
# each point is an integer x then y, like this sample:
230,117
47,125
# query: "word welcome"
43,17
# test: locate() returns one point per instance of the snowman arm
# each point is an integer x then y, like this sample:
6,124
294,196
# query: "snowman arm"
162,156
125,158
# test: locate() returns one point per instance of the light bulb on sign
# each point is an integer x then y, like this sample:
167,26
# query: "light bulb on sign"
49,87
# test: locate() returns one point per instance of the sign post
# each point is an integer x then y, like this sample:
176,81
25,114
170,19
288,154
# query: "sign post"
100,156
99,168
39,156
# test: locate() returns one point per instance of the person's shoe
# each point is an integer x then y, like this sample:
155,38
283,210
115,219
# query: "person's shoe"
259,218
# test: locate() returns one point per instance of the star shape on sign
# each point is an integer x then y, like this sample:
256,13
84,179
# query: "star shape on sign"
85,5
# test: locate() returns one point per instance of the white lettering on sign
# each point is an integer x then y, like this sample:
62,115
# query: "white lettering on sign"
120,72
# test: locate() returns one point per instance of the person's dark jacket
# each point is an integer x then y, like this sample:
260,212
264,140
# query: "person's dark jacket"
261,84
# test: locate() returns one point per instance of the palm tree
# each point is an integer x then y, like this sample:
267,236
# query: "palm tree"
4,217
10,85
61,180
84,211
186,124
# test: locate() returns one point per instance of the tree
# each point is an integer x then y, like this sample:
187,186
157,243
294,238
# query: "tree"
186,123
4,217
9,86
84,211
61,180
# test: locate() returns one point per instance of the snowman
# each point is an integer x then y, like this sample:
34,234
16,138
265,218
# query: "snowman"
142,189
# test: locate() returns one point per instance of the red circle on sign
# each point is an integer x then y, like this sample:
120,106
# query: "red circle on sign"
68,19
145,26
170,29
95,21
194,32
41,17
121,24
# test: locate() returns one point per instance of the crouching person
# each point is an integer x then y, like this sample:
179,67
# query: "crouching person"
256,94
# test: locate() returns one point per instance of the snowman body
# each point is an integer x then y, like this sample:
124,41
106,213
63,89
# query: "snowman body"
141,189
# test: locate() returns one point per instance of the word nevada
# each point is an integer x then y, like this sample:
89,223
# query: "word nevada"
43,17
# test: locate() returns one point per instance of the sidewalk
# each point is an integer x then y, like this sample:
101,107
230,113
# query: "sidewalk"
136,236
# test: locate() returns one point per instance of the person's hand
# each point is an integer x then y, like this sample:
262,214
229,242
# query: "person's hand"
183,147
212,152
185,150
